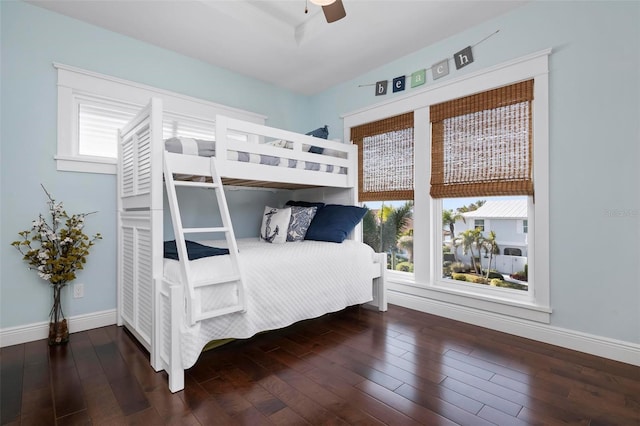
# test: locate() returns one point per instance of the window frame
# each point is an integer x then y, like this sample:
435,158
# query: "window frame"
76,85
425,288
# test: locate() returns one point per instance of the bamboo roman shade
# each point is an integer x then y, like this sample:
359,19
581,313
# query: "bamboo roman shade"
385,158
482,144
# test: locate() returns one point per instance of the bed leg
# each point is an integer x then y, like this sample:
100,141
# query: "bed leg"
176,312
176,381
156,339
380,285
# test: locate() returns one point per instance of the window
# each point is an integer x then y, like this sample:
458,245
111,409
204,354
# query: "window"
481,147
430,234
510,251
98,122
385,156
92,107
525,226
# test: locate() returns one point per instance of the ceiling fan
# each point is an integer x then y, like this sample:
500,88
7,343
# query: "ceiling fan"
333,9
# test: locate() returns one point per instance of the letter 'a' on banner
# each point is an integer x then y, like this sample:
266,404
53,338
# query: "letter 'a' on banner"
381,88
418,78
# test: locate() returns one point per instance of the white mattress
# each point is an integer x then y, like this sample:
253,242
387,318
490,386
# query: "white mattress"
285,283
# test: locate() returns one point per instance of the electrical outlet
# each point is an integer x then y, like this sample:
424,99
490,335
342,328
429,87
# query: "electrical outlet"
78,290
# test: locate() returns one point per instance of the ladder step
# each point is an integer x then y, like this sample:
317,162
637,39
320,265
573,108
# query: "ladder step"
196,184
223,280
219,312
204,230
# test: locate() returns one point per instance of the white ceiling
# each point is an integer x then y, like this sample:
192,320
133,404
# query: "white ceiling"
275,41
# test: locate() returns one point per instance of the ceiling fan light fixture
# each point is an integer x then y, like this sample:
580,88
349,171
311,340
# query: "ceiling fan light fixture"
322,2
334,11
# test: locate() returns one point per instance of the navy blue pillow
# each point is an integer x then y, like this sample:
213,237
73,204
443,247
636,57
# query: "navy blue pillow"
334,222
320,132
194,250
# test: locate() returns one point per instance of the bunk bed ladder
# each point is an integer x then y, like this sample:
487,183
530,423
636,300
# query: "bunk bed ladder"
194,309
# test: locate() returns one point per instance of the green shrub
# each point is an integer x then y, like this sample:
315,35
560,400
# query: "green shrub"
495,282
494,274
478,280
459,267
404,267
446,249
459,277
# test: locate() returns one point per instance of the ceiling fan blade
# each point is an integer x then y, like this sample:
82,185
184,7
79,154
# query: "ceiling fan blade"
334,11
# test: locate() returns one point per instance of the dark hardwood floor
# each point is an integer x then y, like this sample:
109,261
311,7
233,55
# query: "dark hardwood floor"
352,367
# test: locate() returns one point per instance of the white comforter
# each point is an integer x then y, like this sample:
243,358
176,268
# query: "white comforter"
285,283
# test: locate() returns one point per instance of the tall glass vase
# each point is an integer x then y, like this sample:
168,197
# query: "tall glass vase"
58,329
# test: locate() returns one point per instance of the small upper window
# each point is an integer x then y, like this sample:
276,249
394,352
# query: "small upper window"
92,107
98,124
479,224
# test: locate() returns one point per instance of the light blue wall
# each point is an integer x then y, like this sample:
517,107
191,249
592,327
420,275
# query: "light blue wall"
594,138
594,146
32,39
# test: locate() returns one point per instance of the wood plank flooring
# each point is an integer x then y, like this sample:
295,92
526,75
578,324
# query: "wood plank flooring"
352,367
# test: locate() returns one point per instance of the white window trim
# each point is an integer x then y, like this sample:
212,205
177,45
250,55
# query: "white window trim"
75,83
535,305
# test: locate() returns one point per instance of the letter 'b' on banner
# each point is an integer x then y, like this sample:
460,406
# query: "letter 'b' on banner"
381,88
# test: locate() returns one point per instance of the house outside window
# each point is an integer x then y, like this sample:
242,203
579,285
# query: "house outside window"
479,224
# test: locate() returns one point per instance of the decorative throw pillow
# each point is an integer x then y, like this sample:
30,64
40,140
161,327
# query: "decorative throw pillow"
194,250
275,223
320,132
334,222
301,218
304,204
280,143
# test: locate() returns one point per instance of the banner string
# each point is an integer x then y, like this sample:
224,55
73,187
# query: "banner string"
448,59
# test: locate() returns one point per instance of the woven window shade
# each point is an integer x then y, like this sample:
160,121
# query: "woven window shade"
385,158
482,144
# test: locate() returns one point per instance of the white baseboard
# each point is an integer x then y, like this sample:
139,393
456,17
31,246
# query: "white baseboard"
37,331
617,350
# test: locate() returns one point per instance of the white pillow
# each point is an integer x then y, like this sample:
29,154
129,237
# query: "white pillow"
275,223
280,143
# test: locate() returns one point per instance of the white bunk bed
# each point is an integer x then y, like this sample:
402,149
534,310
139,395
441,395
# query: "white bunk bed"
161,301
